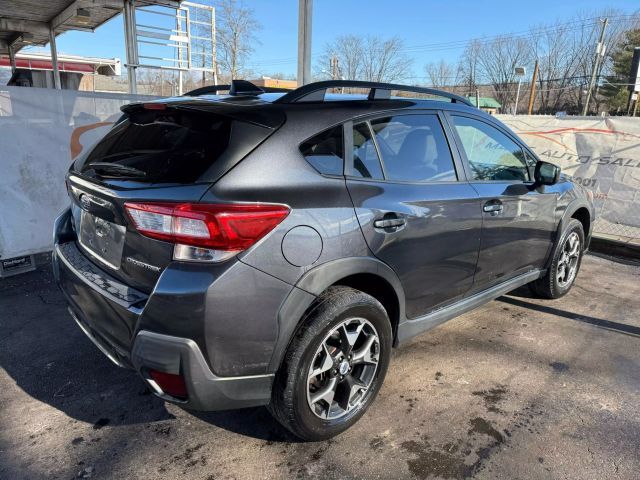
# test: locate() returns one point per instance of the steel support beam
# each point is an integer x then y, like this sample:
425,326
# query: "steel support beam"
305,9
129,17
24,26
12,60
71,11
54,59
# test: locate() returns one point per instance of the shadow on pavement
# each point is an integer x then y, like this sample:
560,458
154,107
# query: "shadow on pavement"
598,322
50,359
250,422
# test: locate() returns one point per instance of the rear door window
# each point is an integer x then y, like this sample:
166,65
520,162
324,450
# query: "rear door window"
414,148
169,146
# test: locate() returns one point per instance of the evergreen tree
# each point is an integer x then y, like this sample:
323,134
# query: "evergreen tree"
615,93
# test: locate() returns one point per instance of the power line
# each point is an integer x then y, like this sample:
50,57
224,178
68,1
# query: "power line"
458,44
579,24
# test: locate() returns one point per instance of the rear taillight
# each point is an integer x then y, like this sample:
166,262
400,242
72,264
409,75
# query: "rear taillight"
197,228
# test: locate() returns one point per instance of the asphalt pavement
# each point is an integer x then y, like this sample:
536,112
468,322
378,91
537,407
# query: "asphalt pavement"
519,389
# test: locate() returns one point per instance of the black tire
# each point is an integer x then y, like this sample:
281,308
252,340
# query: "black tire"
549,286
289,403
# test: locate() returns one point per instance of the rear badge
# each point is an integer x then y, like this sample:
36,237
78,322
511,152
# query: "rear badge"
140,264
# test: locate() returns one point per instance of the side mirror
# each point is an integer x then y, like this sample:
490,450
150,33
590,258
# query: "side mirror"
546,173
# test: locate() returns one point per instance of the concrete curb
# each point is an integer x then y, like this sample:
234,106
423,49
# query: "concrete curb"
616,246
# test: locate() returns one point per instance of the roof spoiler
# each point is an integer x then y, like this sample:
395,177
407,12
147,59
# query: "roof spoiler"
237,88
315,92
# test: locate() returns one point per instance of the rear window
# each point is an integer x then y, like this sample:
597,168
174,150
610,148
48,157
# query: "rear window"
168,147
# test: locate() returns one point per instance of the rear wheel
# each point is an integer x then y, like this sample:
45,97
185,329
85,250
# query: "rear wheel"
565,265
335,365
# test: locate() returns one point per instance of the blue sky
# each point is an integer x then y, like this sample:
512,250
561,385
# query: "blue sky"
418,23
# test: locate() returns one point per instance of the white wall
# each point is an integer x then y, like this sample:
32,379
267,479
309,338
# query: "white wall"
36,127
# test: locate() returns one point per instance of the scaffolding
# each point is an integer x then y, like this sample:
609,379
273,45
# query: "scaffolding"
178,39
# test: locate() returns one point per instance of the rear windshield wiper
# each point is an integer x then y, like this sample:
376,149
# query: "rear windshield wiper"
116,169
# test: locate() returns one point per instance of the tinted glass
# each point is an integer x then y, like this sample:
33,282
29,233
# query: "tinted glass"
491,154
414,148
365,157
173,147
325,151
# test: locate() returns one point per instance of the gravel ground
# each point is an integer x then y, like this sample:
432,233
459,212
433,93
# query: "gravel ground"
520,388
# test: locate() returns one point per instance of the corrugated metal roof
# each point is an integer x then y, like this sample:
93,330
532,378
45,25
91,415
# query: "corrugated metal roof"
26,22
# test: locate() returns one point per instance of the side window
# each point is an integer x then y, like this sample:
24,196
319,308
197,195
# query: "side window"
492,155
414,148
366,163
325,151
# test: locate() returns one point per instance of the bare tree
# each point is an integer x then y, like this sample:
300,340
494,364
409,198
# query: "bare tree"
236,28
384,61
566,53
559,55
496,64
468,66
348,50
369,58
441,74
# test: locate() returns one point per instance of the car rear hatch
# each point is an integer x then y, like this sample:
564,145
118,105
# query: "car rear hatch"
160,152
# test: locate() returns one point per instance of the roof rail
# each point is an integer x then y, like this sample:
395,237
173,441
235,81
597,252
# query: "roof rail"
315,92
237,88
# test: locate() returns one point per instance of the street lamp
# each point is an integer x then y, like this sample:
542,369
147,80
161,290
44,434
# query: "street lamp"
520,72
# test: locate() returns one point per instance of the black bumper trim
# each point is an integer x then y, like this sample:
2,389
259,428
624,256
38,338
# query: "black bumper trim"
207,391
111,352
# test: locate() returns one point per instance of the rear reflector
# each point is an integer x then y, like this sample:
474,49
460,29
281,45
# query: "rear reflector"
232,227
170,383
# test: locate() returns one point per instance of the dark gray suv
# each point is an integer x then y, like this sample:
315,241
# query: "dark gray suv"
260,248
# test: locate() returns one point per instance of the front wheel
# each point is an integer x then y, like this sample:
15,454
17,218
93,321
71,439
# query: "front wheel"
565,264
334,366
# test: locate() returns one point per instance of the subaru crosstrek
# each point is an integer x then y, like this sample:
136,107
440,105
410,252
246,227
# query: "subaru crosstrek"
260,248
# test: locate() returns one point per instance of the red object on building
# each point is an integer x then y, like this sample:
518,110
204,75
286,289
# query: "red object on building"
30,64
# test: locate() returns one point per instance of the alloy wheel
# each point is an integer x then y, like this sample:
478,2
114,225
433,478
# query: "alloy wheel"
568,261
343,369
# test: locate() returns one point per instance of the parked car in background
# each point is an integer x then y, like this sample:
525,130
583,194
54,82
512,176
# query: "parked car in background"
270,249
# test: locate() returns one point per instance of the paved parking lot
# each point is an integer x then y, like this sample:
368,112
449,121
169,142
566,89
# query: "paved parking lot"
520,388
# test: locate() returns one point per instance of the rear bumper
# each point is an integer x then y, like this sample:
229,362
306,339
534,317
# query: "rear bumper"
112,315
150,350
103,308
207,391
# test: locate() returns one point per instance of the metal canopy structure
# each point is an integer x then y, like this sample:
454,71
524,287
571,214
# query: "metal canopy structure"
37,22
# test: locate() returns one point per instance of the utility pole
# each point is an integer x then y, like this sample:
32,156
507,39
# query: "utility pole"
478,98
305,8
333,67
532,90
596,64
520,72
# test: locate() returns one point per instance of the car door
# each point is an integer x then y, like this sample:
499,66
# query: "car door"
518,217
417,212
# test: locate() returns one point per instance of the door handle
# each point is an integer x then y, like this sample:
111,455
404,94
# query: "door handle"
493,207
389,223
